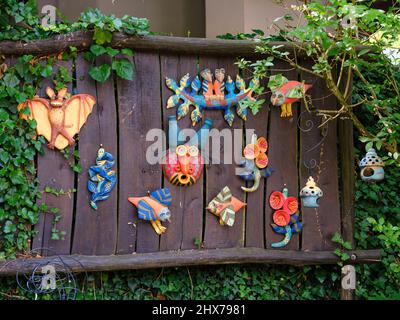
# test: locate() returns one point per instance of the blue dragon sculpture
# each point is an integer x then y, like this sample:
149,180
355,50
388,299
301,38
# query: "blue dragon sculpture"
211,94
101,174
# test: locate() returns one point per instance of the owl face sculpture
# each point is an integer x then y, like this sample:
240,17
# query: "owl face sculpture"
183,163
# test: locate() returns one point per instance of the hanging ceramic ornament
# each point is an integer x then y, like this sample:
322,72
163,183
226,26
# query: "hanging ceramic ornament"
286,218
372,167
285,92
225,206
101,178
183,162
60,117
154,208
254,166
310,194
213,93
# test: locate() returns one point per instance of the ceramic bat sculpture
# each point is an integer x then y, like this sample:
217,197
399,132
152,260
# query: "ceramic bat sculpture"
183,162
254,166
212,93
154,208
286,218
60,117
285,92
225,206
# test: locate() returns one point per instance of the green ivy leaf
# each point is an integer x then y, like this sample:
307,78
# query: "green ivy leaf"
100,73
127,52
111,51
102,36
97,50
10,80
123,68
9,227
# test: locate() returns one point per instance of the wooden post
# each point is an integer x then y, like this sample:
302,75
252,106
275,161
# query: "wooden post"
346,145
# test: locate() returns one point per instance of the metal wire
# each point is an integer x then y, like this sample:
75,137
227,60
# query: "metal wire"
50,276
312,163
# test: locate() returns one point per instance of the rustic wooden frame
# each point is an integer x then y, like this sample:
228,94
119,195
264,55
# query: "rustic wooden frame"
191,52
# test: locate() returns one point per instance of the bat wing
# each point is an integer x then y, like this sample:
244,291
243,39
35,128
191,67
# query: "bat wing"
162,196
38,110
76,112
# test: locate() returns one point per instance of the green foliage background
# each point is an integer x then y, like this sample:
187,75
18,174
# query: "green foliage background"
377,210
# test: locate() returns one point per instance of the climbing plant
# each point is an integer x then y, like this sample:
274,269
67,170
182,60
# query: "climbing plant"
344,39
19,187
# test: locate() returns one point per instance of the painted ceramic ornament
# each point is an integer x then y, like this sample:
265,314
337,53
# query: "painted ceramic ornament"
254,166
60,117
372,167
212,93
183,162
310,194
285,92
154,208
102,178
225,206
286,218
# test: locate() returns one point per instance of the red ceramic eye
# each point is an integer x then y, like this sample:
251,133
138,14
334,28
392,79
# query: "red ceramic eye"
291,205
281,218
276,200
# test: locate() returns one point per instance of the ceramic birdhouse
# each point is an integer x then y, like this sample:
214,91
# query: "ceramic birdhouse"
372,167
213,92
254,166
183,163
310,194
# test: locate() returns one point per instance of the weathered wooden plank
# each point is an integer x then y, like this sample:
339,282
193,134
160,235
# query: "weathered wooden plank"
282,139
95,232
187,206
83,39
348,176
320,223
223,174
256,201
139,112
54,171
348,179
79,263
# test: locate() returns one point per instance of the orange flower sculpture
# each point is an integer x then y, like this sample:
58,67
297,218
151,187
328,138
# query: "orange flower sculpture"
254,166
286,217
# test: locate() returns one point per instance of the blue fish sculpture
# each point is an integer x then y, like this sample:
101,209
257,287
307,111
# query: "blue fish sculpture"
101,178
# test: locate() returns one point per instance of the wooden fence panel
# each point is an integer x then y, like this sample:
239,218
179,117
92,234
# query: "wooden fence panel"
96,231
320,223
282,139
255,210
187,206
220,175
140,111
54,171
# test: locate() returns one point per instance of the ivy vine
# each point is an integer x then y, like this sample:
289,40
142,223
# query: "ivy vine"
19,186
